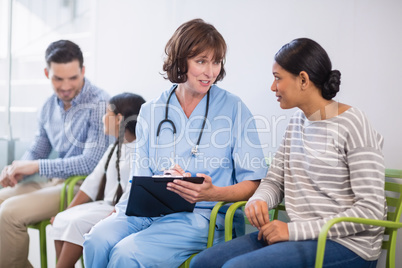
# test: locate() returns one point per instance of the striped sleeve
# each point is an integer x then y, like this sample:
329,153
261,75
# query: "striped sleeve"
326,169
271,187
367,184
360,147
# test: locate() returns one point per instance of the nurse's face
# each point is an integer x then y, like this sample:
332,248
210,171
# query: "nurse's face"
202,72
286,87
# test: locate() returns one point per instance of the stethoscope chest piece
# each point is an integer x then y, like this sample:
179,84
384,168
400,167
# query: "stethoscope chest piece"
194,150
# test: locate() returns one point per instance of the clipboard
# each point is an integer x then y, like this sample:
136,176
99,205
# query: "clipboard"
150,198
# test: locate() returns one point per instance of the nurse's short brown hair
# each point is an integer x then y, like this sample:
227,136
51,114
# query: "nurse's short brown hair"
189,40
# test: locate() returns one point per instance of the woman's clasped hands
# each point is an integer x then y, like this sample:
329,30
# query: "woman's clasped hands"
271,231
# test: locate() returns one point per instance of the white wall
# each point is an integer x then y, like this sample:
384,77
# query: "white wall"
362,37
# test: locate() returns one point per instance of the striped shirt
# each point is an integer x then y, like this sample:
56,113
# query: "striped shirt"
76,135
326,169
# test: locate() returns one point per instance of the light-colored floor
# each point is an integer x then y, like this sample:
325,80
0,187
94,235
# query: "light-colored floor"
34,256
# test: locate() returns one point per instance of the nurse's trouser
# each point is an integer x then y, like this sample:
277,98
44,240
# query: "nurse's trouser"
122,241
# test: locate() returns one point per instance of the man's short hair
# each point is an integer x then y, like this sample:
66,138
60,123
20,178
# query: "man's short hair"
63,51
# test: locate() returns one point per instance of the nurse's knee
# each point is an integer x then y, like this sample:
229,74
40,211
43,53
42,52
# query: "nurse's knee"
93,239
122,255
100,238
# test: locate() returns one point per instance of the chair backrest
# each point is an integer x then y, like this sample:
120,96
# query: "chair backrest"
393,192
67,192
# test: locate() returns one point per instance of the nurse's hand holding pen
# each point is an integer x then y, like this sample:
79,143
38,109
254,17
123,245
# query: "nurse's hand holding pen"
191,192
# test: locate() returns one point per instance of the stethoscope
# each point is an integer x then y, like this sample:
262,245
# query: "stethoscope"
194,150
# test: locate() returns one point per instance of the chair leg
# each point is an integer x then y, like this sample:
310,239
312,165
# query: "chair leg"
186,264
42,242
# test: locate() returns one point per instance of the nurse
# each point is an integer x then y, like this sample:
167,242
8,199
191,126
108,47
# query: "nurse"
203,130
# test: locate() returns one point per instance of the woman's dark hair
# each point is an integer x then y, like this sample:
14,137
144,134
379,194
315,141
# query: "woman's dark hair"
304,54
128,105
188,41
63,51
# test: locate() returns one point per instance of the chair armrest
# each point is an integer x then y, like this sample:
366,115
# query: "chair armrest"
68,187
71,185
322,238
273,215
63,194
229,219
212,223
393,173
211,232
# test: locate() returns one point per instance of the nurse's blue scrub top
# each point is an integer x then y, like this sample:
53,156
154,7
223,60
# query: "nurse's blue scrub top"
229,151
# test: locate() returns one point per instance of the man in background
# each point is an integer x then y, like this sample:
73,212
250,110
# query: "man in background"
70,123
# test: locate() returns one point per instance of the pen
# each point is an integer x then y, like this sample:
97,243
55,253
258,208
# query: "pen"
173,164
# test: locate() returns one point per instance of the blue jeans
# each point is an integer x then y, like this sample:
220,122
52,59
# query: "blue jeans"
248,251
122,241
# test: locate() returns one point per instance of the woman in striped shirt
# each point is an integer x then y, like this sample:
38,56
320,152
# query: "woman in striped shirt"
329,164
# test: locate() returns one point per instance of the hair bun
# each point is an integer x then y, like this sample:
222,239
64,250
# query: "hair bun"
331,86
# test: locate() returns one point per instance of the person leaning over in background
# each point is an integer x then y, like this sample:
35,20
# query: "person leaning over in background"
104,185
70,123
329,164
221,151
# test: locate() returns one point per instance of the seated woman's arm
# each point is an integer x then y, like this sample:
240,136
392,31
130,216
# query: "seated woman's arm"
80,198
